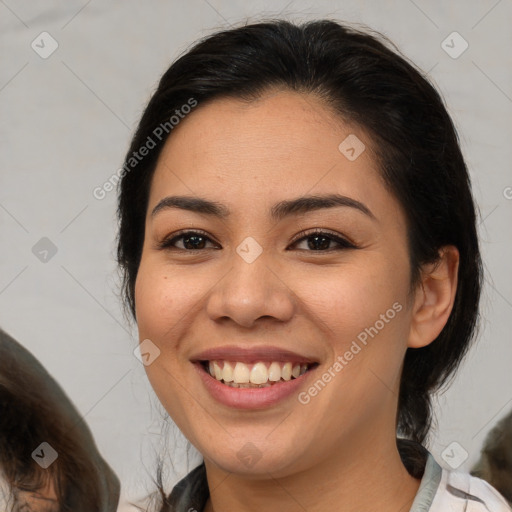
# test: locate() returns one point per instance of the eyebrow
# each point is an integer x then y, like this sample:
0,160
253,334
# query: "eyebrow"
278,212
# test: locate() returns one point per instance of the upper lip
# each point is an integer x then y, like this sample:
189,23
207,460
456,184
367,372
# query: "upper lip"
251,355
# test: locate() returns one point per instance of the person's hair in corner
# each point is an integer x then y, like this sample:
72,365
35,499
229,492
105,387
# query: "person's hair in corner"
34,409
363,77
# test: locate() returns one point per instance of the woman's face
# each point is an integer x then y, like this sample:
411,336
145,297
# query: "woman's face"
256,285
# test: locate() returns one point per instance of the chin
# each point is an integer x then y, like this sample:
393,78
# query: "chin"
252,460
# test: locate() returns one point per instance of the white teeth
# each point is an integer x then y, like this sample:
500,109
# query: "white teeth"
227,372
241,373
217,370
257,375
274,372
286,372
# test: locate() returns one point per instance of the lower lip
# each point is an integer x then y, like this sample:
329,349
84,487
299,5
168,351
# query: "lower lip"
250,398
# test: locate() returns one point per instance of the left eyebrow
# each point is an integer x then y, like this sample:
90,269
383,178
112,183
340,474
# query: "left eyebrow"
278,212
309,203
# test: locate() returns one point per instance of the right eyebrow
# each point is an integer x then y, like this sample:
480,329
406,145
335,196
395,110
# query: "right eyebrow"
194,204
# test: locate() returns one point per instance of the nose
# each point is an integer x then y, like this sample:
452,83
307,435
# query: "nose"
251,291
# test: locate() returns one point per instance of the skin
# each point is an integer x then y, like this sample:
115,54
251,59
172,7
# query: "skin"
250,156
44,500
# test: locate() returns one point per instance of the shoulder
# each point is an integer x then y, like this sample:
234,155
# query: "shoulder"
191,492
460,491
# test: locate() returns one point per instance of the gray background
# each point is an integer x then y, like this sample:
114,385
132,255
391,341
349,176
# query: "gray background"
65,124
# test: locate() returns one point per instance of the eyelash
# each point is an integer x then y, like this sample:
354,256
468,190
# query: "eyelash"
343,242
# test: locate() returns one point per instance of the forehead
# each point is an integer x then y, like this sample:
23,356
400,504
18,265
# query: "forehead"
283,144
274,123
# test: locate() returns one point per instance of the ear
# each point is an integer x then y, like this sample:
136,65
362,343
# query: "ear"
434,297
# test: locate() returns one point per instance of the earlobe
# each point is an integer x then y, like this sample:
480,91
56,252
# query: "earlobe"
434,298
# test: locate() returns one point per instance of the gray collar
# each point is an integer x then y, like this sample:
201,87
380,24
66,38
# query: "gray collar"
428,486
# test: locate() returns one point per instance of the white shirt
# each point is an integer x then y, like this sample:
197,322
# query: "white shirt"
442,490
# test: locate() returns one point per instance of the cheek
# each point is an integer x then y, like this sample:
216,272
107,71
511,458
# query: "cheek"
348,300
162,303
162,300
364,317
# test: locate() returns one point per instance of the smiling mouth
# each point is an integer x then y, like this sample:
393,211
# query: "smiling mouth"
262,374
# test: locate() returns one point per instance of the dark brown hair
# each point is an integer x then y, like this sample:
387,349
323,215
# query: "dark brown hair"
33,410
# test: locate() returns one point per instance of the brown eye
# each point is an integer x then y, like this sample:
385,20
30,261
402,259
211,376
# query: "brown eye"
320,241
191,241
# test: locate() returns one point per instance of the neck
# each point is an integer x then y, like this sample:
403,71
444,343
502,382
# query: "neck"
351,480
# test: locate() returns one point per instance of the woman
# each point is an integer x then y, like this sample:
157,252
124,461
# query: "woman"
49,461
299,251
